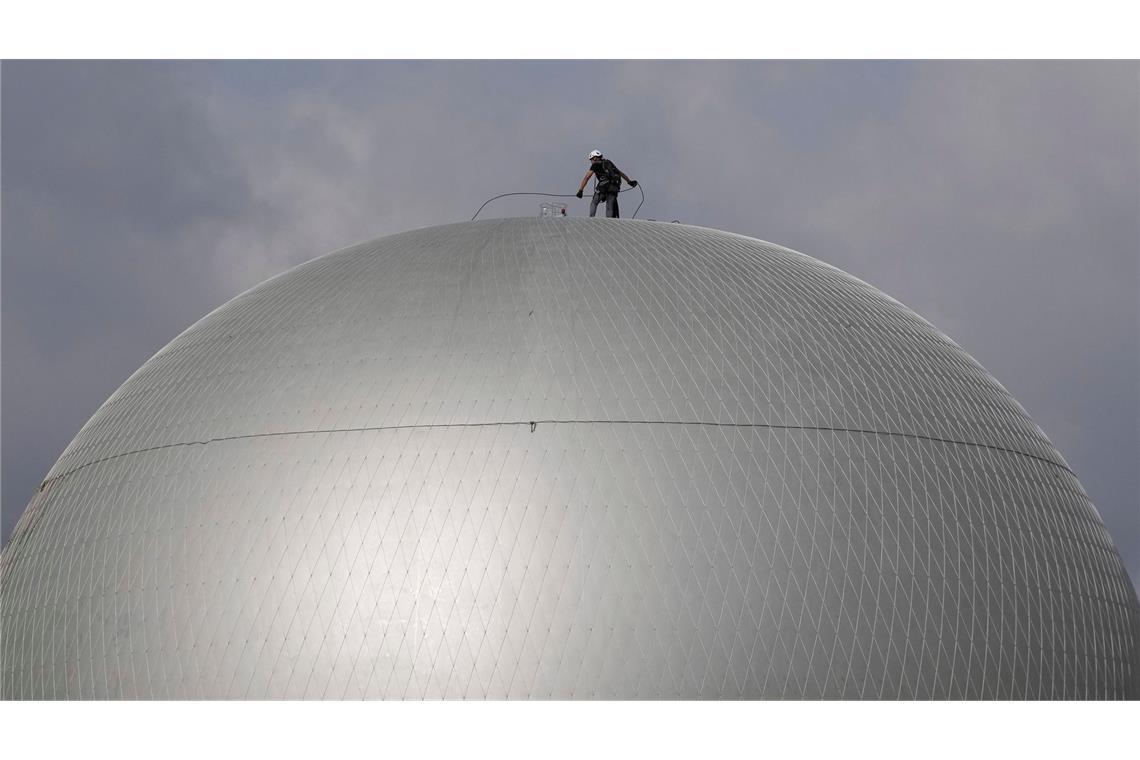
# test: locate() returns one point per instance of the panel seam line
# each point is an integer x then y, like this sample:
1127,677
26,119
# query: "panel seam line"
535,423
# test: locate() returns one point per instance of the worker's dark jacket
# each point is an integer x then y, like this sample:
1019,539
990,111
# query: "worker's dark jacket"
607,175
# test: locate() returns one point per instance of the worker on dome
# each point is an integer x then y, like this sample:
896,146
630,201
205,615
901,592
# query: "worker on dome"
608,183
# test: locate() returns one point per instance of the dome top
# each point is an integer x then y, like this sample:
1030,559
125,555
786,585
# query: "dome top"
581,319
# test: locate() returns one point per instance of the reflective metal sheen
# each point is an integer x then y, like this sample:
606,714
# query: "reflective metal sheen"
538,458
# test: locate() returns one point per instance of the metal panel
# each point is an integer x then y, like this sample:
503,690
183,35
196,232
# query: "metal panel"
564,459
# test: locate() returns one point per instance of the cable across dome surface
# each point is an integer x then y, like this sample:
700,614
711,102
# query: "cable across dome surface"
572,459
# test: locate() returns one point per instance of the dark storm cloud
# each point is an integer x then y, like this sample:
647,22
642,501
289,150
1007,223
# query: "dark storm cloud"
999,200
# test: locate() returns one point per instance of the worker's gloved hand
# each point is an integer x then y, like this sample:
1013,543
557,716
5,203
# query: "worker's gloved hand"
633,183
579,193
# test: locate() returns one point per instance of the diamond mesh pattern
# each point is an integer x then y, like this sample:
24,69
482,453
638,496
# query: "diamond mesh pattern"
564,459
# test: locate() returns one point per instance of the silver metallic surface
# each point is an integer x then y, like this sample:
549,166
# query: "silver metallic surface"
539,458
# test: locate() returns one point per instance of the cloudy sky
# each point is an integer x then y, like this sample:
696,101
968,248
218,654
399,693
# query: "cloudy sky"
999,200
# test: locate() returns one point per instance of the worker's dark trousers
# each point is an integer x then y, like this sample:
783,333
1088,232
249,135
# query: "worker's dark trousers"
610,199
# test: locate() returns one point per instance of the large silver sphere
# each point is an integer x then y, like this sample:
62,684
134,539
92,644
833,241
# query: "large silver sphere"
571,459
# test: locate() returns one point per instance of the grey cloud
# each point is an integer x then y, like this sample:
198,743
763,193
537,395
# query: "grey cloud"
107,167
999,200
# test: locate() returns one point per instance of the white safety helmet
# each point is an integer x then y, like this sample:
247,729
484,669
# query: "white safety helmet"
594,154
